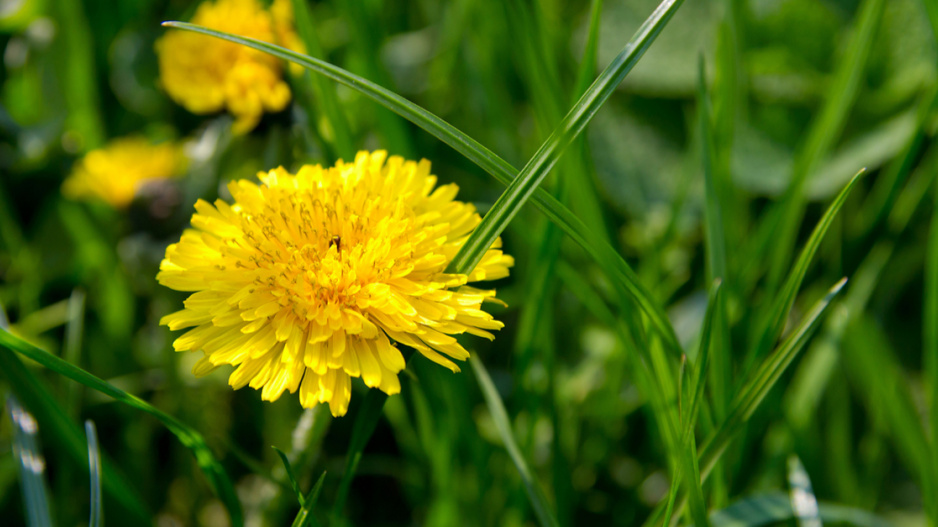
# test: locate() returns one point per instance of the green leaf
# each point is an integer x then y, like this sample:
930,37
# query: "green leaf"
775,507
96,514
606,257
497,409
186,435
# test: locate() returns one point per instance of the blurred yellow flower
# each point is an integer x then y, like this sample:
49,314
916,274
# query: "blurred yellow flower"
207,75
116,172
308,280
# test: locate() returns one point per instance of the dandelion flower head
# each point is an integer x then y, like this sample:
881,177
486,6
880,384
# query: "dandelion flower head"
207,75
308,280
116,172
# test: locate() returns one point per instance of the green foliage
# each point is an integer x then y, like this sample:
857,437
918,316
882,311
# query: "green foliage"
676,364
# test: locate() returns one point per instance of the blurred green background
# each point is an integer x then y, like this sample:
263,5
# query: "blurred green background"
801,94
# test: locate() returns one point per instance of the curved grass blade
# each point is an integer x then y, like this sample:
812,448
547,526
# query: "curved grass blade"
96,516
618,271
775,507
66,435
290,475
785,301
500,417
30,463
186,435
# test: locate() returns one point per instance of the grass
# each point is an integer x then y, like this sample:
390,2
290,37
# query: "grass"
666,360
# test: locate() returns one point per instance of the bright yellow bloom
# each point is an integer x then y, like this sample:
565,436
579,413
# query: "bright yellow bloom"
207,75
115,173
308,280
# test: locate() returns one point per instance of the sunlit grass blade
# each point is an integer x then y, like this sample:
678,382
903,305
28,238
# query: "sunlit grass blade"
66,435
305,517
786,298
775,508
497,409
31,464
96,514
607,258
365,423
764,379
186,435
326,98
803,502
533,173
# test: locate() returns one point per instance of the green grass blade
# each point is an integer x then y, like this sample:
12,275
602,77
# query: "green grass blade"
606,257
803,502
186,435
290,475
96,514
930,329
786,298
714,234
822,134
66,435
326,97
74,330
764,379
305,517
503,424
694,391
31,464
365,423
775,508
533,173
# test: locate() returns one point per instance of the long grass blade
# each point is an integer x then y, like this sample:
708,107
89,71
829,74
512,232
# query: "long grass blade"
786,298
186,435
622,276
31,464
494,402
96,514
533,173
305,517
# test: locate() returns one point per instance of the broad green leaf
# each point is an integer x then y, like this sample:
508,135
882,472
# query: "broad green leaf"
186,435
497,409
775,507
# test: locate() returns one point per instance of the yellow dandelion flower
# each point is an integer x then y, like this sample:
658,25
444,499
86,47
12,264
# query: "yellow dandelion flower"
116,172
207,75
310,279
